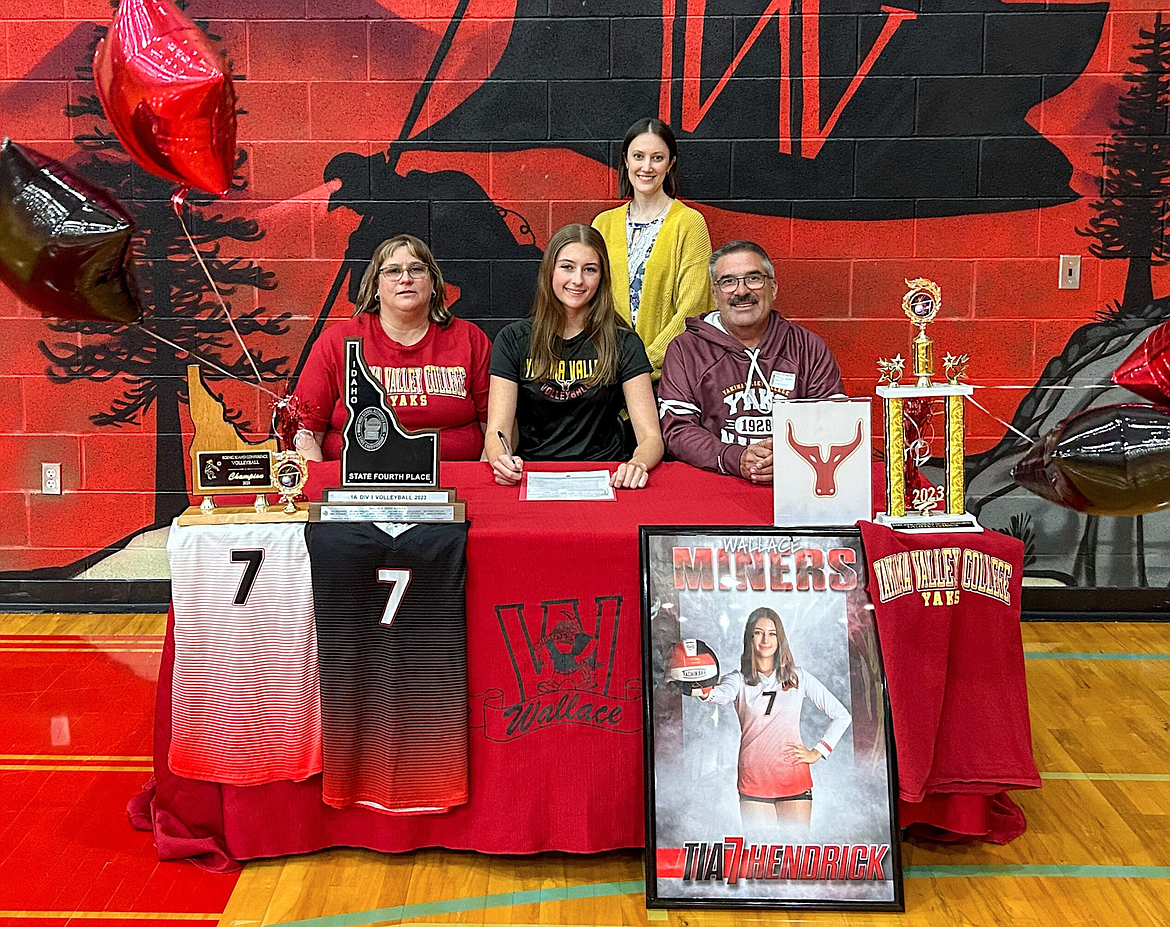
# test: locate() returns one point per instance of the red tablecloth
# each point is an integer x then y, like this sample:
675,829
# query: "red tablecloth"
556,756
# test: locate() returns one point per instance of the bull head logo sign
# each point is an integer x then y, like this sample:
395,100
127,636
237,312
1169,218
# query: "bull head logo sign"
825,468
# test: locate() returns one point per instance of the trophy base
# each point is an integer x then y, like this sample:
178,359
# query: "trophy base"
382,496
239,514
430,513
930,524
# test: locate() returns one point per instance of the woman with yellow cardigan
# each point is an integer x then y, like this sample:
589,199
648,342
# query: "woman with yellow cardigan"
658,247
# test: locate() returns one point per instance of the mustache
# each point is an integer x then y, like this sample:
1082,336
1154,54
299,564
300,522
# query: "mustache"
743,300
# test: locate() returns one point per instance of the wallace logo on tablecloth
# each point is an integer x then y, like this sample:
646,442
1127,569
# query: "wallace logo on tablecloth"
564,672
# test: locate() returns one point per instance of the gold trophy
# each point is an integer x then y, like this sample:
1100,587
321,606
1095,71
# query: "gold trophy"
292,472
913,502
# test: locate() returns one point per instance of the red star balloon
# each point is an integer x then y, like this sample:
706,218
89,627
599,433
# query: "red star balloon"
168,95
1147,370
1112,460
64,245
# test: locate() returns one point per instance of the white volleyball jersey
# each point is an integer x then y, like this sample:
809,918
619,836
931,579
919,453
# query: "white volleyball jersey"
769,720
246,704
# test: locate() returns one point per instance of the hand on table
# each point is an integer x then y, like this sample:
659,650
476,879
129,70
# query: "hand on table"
508,469
630,475
756,462
799,753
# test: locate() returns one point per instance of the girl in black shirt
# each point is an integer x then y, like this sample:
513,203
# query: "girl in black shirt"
560,379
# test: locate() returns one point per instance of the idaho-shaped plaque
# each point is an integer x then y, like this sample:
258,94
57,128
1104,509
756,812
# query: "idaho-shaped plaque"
376,450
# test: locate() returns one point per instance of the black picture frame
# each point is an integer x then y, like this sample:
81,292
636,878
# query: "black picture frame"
698,760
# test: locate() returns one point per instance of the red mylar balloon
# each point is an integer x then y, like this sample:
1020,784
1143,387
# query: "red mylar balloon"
168,95
1112,460
1147,370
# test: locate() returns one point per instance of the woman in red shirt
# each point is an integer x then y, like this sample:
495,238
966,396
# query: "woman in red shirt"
433,366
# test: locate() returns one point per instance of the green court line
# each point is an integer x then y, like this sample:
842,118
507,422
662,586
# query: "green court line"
1037,871
605,889
1052,655
456,905
1107,777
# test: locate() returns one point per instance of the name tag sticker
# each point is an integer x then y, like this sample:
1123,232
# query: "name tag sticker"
782,382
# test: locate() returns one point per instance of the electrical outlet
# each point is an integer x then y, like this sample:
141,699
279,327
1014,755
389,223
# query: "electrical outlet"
51,479
1070,272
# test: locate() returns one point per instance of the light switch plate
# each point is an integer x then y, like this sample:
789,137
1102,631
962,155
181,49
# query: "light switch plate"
1070,272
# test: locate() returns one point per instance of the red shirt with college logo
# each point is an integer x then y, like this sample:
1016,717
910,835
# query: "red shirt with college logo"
948,614
440,382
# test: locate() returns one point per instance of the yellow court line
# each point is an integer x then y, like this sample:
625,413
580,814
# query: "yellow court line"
80,758
29,767
1107,776
111,915
85,649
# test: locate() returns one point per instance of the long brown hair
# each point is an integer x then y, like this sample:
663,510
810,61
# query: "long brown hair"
662,130
784,667
367,301
601,320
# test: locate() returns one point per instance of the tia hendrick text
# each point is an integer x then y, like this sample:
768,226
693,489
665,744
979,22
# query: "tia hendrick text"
734,860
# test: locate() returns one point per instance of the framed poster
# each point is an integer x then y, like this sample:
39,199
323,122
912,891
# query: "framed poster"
770,777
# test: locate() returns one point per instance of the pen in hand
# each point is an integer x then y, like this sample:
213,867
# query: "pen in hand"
508,450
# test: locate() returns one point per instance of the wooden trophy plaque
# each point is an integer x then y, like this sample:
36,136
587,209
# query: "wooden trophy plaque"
223,463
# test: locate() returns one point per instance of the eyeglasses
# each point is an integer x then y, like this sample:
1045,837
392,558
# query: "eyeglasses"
394,271
731,284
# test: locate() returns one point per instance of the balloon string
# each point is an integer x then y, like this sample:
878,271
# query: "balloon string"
205,362
222,304
1008,425
1052,387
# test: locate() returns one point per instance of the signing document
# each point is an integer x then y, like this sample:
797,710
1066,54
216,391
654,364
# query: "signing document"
570,486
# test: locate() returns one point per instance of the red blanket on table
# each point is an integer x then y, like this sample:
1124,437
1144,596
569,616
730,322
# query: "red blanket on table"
556,745
556,727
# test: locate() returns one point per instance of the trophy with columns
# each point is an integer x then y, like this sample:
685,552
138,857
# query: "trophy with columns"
915,502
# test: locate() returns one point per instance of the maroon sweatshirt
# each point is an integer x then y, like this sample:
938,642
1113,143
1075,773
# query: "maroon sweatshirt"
715,395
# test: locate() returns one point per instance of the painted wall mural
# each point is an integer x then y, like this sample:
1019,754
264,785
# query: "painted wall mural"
969,141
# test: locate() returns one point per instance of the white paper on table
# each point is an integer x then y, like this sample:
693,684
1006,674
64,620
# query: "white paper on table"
570,485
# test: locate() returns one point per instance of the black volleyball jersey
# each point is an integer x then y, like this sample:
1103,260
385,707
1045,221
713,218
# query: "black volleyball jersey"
392,645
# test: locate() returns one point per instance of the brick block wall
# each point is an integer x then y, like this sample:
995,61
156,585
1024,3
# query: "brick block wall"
861,144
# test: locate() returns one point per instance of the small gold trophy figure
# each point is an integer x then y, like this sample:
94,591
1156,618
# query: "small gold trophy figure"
909,426
291,475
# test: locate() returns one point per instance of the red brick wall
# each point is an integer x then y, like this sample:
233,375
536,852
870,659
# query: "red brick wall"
918,177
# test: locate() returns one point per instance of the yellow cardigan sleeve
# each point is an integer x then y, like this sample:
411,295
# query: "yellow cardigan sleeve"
678,290
676,284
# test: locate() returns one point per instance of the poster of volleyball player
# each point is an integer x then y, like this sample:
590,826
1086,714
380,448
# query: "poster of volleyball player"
770,776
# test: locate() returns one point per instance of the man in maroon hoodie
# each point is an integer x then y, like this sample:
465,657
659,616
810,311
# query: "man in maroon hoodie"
721,375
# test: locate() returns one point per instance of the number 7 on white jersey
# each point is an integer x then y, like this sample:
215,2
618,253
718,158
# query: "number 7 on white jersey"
400,580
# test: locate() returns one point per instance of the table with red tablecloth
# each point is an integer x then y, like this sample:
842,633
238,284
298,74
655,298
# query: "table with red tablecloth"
555,757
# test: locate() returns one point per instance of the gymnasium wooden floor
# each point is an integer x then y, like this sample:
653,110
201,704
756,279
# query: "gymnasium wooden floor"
78,696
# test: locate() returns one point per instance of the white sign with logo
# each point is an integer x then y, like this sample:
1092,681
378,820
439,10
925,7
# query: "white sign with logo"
821,462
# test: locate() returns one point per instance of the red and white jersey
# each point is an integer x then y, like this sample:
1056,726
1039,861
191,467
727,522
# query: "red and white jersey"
769,720
246,704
